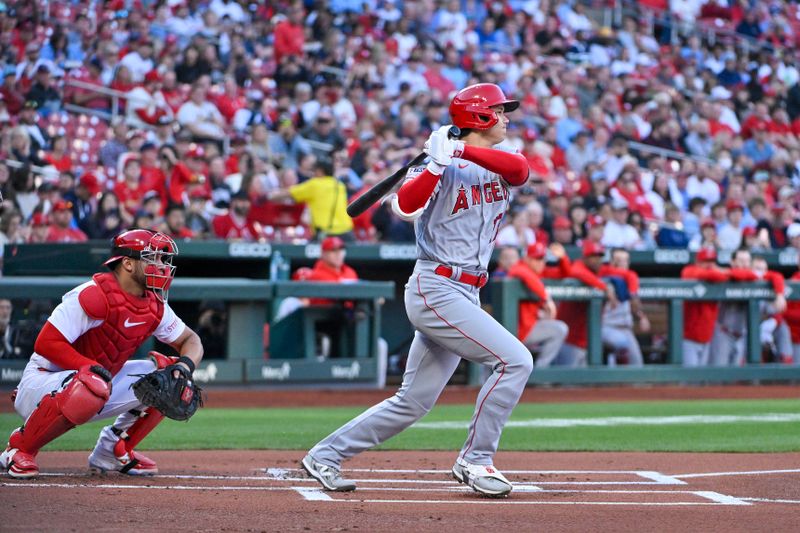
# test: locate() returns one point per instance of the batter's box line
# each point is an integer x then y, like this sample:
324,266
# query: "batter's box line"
317,494
655,478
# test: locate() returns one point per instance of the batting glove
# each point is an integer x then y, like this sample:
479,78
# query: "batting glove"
441,150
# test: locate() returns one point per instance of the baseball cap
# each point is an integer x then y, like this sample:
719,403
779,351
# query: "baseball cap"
152,76
62,205
708,223
199,192
561,223
591,247
598,175
39,219
619,203
749,231
332,243
707,253
196,152
302,274
90,182
731,205
536,250
595,220
793,230
149,195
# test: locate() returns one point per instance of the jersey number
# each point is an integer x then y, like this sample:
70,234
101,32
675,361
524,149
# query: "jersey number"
496,225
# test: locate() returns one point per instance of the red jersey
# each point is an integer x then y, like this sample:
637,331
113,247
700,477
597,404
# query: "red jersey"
575,313
57,234
326,273
699,317
114,341
792,315
528,310
154,179
130,199
229,228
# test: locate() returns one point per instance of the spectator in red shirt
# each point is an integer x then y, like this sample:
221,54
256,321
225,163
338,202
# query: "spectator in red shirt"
10,91
40,228
91,75
58,156
235,225
60,230
290,34
129,190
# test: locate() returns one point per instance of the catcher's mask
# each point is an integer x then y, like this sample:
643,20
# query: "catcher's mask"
155,250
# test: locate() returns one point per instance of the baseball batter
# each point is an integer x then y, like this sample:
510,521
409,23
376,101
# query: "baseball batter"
80,370
457,202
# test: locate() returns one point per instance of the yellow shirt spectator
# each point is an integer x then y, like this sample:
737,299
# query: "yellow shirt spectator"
326,198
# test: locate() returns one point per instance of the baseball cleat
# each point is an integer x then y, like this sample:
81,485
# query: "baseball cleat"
132,464
330,478
484,479
19,464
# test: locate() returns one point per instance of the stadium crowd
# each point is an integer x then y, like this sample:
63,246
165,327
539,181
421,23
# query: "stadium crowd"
213,119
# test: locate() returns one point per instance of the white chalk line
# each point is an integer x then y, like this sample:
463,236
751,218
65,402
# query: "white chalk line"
768,500
625,421
317,494
743,473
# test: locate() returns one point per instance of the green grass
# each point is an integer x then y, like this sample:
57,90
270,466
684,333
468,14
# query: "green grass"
298,429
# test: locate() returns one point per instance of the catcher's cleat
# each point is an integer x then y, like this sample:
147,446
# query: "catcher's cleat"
329,477
484,479
19,464
130,462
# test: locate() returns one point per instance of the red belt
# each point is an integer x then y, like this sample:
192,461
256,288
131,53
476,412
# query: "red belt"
465,277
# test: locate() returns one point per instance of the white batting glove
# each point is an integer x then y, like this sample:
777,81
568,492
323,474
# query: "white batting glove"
442,149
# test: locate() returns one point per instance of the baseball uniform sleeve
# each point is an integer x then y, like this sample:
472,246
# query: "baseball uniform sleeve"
512,167
69,318
171,326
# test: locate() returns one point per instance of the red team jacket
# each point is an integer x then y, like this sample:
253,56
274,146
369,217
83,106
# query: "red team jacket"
575,313
529,311
699,318
323,272
792,315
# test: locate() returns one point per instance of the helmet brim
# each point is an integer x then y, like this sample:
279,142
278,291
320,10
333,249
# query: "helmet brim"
510,105
112,260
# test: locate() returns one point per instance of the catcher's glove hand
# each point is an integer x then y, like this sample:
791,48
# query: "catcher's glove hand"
177,398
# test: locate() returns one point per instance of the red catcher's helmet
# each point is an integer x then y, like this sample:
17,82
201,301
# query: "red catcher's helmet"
471,106
155,250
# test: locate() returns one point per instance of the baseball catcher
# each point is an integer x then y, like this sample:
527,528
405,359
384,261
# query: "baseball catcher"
80,371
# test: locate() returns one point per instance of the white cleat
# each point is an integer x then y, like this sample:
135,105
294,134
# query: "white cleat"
484,479
329,477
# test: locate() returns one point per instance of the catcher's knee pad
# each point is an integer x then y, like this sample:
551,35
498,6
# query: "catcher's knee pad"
83,397
58,412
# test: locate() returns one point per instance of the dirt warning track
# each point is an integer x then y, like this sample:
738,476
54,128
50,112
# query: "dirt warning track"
402,491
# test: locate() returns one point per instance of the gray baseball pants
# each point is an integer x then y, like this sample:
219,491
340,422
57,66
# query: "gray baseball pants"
450,326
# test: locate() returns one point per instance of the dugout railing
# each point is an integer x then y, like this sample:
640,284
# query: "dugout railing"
506,294
249,307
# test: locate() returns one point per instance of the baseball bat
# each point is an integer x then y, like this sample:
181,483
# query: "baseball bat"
379,190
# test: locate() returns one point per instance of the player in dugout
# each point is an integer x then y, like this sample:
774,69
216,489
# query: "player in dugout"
538,328
80,369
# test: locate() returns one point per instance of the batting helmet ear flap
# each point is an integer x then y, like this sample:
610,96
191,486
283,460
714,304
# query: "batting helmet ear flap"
472,106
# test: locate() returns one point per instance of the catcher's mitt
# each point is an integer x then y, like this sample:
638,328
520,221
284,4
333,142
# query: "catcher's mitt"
177,398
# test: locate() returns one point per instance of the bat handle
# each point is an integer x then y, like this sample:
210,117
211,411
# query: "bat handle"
454,132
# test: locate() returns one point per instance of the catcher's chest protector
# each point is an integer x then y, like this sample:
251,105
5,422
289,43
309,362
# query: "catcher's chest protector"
127,323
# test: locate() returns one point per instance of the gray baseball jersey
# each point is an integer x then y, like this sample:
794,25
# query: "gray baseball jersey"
459,225
457,228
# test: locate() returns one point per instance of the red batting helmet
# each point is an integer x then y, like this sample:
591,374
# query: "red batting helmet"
471,106
155,250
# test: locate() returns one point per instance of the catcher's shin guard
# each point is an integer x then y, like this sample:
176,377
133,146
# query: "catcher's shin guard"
58,412
84,396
